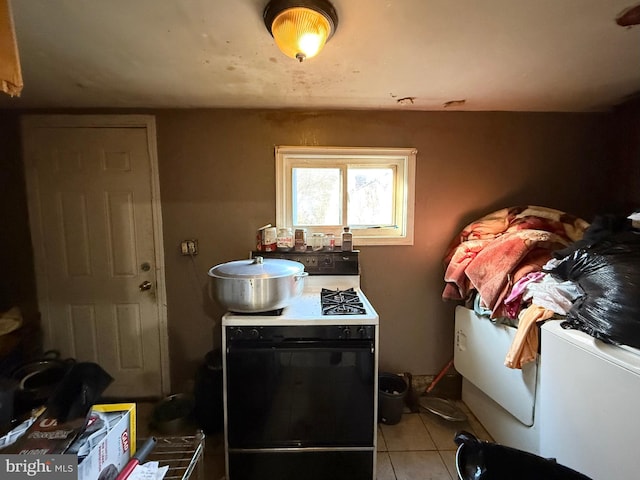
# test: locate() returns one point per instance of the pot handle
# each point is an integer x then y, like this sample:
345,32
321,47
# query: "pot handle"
300,275
465,438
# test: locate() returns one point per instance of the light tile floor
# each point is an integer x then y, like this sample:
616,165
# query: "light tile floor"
420,447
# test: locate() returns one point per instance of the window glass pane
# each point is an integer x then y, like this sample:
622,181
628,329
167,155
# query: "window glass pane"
372,189
371,196
316,196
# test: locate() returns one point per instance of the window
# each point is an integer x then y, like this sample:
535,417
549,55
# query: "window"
371,190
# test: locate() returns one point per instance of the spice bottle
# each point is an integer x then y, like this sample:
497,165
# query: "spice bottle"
347,240
300,240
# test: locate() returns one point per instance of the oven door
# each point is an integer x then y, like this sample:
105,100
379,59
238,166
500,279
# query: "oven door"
300,393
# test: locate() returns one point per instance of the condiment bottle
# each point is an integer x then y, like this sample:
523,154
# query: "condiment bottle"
347,240
269,239
300,240
285,239
260,237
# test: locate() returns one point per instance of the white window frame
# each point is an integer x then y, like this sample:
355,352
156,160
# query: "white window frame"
402,159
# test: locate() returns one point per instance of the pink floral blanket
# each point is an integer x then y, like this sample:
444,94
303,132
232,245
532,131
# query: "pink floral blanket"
494,252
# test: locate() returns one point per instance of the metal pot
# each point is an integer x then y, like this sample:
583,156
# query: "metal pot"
256,285
37,379
173,413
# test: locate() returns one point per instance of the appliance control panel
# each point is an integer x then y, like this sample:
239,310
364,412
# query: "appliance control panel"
301,333
320,262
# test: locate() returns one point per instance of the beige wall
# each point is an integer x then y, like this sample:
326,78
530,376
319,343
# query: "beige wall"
625,150
218,185
17,283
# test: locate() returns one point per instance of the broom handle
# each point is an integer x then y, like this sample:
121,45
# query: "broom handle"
439,376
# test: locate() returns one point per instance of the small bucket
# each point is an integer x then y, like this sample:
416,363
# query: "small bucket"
391,392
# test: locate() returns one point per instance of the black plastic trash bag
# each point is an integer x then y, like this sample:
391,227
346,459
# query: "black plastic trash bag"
479,460
608,272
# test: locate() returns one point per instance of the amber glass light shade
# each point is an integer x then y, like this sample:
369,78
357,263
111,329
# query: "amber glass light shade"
300,32
300,28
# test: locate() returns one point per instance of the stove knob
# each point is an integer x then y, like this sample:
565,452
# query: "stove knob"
363,332
254,333
347,332
236,333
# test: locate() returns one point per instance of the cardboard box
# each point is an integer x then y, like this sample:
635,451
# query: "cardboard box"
45,436
99,451
115,449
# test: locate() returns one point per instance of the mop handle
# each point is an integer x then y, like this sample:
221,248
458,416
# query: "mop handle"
439,376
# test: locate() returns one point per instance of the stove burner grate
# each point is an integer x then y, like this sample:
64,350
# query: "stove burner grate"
341,302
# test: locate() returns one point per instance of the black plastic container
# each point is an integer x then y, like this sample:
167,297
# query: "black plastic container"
479,460
391,392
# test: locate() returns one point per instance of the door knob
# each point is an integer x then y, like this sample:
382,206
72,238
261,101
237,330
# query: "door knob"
146,285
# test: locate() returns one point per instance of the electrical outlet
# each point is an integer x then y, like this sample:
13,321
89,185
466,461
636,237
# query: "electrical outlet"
189,247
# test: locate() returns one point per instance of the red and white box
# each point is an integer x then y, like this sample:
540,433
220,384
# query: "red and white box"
113,450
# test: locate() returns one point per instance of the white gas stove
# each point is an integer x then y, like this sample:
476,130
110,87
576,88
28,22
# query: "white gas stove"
307,307
301,383
335,271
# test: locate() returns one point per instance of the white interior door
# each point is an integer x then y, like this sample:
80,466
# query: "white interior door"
94,213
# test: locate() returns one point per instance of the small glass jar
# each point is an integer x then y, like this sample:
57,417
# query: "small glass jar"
285,239
317,241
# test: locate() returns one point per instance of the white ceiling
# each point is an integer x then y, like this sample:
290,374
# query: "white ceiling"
516,55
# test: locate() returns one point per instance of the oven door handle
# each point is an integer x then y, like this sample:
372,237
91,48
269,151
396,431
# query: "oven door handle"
298,346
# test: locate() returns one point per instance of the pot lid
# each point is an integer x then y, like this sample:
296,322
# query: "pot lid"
257,267
443,408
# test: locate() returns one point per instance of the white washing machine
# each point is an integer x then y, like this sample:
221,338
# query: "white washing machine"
589,404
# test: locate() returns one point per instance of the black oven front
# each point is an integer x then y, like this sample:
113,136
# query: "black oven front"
300,401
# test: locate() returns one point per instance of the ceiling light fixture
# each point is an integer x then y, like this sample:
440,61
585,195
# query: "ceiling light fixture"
300,27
